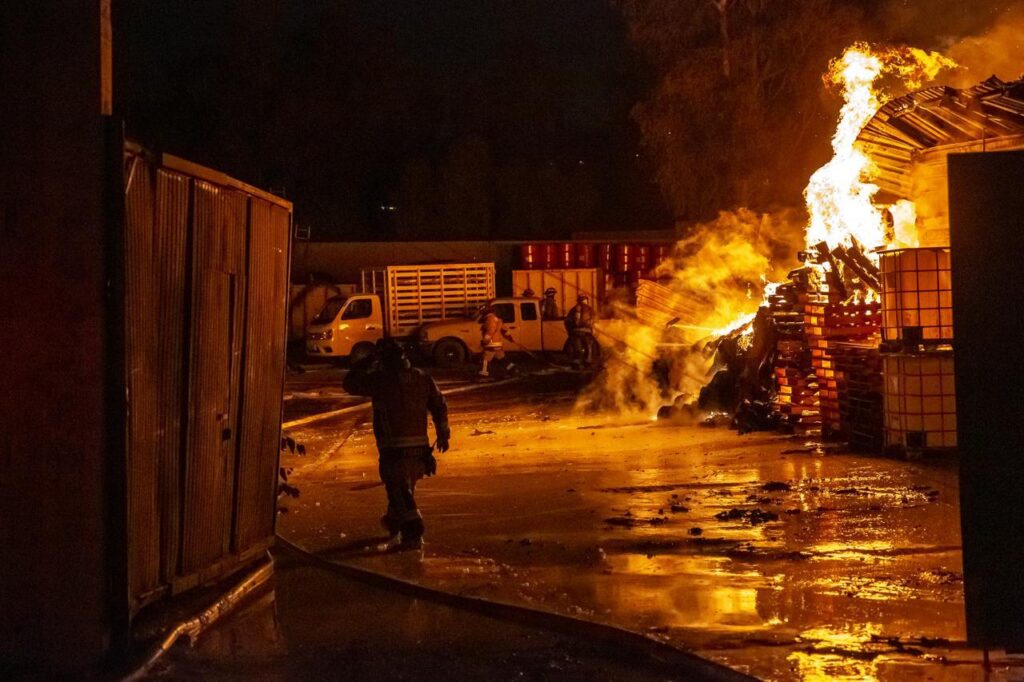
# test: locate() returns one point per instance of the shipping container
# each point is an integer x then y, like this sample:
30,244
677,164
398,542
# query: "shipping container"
549,256
624,258
566,255
585,256
530,257
642,258
605,257
206,283
568,284
660,253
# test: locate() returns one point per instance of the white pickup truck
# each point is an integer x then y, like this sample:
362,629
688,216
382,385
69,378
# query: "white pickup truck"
452,342
394,302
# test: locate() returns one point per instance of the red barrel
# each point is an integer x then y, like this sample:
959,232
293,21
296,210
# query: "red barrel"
605,256
549,259
659,253
585,255
566,255
529,256
642,257
623,259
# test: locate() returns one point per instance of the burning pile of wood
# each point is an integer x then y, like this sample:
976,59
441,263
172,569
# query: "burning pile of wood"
813,362
813,365
830,302
859,376
795,399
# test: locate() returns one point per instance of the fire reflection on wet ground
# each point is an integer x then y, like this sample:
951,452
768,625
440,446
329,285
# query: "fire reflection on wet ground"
751,550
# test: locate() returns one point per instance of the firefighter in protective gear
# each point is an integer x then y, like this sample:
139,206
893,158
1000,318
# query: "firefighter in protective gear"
492,333
549,306
580,325
402,397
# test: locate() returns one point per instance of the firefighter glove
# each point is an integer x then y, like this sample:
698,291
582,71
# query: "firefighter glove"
429,464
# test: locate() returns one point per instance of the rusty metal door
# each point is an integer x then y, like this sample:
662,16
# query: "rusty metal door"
156,234
220,216
205,307
140,364
263,376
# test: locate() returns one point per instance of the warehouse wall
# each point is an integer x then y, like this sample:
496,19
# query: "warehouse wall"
53,406
53,416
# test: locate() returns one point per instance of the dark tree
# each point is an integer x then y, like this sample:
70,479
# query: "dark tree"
738,116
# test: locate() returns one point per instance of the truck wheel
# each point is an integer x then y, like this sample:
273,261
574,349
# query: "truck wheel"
450,353
360,352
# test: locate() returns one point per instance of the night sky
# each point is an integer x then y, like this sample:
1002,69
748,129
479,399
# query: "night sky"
357,110
504,119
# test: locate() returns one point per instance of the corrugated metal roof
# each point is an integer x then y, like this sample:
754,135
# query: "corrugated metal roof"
936,117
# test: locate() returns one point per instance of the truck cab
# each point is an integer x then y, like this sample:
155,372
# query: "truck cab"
453,342
346,326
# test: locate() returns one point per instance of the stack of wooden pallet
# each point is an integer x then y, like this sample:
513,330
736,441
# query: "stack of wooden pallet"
859,376
796,399
827,323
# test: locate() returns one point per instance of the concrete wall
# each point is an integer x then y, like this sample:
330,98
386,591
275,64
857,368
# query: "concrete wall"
54,427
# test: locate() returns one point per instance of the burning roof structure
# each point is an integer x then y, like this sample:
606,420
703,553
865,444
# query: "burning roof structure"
909,138
991,112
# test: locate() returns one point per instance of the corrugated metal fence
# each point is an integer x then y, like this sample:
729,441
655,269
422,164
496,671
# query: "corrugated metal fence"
206,295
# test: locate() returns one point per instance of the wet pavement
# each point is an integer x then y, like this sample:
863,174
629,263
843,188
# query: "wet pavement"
315,625
316,388
756,551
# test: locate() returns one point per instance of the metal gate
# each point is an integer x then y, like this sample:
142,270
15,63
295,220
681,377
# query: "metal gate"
205,306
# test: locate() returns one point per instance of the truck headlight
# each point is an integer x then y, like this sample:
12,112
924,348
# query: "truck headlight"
321,336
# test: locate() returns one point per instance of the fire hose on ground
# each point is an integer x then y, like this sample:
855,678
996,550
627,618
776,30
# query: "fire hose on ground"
195,626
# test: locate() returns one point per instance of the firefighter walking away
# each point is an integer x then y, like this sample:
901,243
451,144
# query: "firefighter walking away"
402,397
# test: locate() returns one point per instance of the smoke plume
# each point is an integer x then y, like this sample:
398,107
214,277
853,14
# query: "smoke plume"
999,51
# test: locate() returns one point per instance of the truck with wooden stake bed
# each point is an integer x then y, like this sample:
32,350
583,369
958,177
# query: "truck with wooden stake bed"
395,301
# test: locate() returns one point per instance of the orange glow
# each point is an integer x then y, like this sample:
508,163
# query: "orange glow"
840,194
718,276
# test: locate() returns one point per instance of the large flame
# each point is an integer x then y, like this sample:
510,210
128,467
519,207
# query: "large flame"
840,194
711,285
718,276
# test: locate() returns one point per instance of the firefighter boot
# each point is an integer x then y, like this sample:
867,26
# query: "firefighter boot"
388,523
412,534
